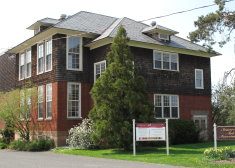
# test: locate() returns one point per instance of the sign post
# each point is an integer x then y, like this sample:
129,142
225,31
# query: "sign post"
215,136
167,137
134,145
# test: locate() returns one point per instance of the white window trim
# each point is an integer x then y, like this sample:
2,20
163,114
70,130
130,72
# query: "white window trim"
38,73
80,112
25,64
49,118
43,97
162,102
104,61
196,87
80,54
170,53
46,55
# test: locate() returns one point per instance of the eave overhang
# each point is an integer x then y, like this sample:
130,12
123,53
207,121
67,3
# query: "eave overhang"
152,46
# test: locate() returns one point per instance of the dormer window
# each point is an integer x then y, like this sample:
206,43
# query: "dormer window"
165,37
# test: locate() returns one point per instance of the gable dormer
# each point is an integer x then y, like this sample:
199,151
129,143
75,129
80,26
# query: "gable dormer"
159,32
43,24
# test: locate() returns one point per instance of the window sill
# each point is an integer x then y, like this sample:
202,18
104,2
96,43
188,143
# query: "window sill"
167,118
199,88
48,119
74,118
40,119
69,69
166,70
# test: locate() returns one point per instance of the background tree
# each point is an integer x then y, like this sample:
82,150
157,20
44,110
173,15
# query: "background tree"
221,21
223,104
119,96
15,107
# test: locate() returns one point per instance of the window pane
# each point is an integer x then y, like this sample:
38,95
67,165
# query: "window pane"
174,111
158,64
73,100
28,56
174,101
157,60
40,110
166,112
199,78
166,61
158,100
166,100
74,44
73,61
48,62
49,109
158,112
28,70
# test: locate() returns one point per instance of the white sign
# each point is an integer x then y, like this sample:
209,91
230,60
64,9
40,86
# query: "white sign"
150,132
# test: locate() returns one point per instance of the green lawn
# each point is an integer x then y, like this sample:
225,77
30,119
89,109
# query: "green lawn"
190,155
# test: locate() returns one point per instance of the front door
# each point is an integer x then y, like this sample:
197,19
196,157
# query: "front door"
201,123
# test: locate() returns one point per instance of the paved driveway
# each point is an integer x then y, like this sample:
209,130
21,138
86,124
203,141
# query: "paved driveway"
13,159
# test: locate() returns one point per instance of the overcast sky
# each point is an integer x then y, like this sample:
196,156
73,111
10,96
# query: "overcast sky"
17,15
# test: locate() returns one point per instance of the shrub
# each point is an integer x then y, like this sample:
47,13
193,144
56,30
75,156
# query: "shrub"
7,135
3,145
80,136
183,132
219,154
19,145
35,145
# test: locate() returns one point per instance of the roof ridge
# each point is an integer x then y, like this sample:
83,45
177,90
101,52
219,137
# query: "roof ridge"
70,17
119,20
99,14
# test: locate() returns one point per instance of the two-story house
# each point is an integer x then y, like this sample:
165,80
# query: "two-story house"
66,56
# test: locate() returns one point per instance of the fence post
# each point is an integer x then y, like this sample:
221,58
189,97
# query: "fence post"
167,137
134,145
215,136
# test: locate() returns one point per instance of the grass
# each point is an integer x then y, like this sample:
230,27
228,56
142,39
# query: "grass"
190,155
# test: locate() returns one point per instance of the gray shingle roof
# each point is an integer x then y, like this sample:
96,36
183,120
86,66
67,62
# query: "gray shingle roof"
49,21
134,32
87,22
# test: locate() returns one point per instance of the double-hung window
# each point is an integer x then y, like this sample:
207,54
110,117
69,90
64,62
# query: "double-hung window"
165,61
166,106
74,100
44,57
25,64
48,56
99,68
40,58
40,101
49,101
74,53
22,66
28,63
199,83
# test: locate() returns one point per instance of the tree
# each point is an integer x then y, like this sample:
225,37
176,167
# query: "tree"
223,104
15,107
119,96
221,21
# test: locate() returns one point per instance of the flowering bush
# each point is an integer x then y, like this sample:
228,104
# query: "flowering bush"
80,136
218,154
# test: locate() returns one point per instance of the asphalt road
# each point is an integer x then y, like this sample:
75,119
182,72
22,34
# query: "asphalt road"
14,159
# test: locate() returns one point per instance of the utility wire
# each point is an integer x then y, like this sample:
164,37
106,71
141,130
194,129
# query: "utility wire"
179,12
